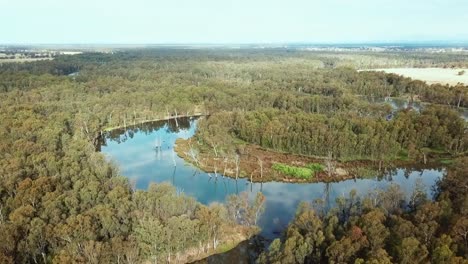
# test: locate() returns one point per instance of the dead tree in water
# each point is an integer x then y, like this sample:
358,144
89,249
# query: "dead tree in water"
237,162
329,163
260,162
173,159
225,161
177,123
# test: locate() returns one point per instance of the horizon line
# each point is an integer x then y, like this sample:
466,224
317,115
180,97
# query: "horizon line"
292,45
382,42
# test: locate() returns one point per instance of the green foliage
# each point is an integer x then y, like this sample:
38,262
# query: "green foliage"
62,202
446,161
348,136
297,172
377,228
315,167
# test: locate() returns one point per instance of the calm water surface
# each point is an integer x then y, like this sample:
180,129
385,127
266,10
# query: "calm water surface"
399,104
135,153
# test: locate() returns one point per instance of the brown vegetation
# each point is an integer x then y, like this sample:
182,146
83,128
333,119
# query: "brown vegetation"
250,168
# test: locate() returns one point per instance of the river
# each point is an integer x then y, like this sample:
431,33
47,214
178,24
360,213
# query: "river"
134,151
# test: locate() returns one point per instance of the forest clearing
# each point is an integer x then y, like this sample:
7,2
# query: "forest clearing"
451,76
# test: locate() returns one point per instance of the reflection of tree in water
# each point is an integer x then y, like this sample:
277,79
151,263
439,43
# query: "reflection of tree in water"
174,126
395,103
173,175
121,135
326,196
407,170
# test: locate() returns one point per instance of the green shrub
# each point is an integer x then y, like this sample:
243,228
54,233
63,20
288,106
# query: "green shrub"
315,167
298,172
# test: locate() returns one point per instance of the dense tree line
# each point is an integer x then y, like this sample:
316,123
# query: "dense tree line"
61,202
344,136
381,227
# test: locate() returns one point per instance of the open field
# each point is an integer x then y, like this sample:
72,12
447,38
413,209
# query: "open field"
431,75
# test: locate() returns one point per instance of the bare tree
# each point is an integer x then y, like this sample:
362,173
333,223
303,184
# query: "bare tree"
237,162
177,123
134,116
110,119
329,163
193,154
225,165
133,185
215,150
260,163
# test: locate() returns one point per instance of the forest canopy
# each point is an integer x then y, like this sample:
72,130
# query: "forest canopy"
63,202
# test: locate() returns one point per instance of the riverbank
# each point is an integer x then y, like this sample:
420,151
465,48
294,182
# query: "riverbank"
256,164
231,239
165,118
97,140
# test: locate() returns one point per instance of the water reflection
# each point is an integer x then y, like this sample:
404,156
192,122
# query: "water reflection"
145,154
401,103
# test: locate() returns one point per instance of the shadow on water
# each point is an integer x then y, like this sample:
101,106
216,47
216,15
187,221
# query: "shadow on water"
145,154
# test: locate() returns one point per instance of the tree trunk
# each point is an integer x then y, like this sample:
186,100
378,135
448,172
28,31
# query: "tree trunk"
215,151
225,166
237,165
44,257
329,163
261,168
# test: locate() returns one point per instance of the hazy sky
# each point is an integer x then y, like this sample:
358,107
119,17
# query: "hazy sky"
239,21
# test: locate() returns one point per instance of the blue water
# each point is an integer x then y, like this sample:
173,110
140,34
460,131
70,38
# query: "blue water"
135,153
399,104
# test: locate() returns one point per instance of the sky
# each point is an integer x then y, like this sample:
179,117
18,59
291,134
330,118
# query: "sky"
225,21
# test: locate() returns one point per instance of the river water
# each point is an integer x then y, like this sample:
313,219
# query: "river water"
133,150
400,103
